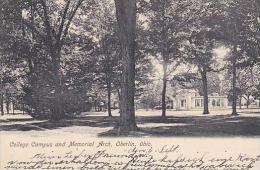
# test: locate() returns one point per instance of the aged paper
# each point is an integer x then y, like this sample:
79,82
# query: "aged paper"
79,152
76,76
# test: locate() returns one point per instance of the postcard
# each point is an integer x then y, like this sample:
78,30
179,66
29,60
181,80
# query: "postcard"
129,84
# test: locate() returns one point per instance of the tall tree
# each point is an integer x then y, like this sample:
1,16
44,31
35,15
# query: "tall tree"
109,66
201,41
46,27
109,56
126,18
167,22
238,28
55,40
8,30
53,31
201,54
1,87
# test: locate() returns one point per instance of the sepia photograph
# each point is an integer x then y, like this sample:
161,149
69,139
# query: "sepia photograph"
130,84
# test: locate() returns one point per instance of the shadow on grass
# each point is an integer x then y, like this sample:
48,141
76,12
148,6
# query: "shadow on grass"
91,121
210,126
196,126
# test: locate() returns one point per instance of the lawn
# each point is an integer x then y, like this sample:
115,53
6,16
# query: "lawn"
178,124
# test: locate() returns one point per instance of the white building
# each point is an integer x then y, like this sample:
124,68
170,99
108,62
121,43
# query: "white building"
191,100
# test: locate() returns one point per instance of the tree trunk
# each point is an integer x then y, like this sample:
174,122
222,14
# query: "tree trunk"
2,104
13,106
126,18
1,96
164,90
119,99
234,80
95,105
23,108
240,102
58,112
7,106
108,82
37,95
57,109
109,98
205,91
247,102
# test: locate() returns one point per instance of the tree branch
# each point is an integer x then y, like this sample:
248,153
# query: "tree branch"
47,23
70,19
63,19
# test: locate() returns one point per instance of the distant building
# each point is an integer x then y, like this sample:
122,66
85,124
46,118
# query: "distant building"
191,100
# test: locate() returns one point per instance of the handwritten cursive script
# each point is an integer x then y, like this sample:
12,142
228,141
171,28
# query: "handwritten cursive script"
135,158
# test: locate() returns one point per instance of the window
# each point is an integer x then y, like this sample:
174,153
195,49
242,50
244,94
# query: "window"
213,102
183,103
197,102
218,102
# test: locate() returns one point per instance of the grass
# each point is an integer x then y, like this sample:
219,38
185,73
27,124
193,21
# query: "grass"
152,126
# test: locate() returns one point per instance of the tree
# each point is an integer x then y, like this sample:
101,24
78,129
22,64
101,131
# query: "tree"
257,93
1,88
202,39
49,23
109,66
109,60
55,37
168,21
126,18
247,84
151,96
48,33
8,30
201,54
250,18
193,80
238,29
248,79
144,72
